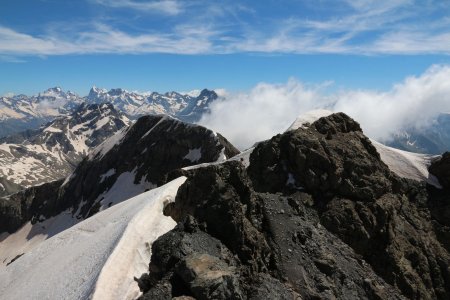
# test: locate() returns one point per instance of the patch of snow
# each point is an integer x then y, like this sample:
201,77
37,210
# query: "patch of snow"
102,122
407,164
110,173
244,157
52,129
194,155
108,144
193,93
156,125
96,258
68,178
124,188
308,118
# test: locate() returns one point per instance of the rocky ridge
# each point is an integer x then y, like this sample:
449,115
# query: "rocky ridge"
136,159
316,215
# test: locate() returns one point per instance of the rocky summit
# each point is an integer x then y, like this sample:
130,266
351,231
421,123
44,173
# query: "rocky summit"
316,215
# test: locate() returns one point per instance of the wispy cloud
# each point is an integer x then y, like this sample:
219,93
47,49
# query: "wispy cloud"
169,7
104,39
362,27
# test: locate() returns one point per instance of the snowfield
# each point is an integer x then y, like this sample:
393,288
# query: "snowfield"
98,257
407,164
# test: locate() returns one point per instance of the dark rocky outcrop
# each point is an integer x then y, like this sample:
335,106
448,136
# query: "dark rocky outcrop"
317,215
143,153
441,169
28,205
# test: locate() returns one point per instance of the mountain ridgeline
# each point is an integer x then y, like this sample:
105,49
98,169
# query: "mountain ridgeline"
19,113
136,159
318,212
316,215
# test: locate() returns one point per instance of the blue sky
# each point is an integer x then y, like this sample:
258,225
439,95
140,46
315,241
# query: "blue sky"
184,45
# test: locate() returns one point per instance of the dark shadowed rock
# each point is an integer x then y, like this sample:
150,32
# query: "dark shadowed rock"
317,215
136,159
330,157
441,169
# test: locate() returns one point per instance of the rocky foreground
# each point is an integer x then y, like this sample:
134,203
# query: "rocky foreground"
316,215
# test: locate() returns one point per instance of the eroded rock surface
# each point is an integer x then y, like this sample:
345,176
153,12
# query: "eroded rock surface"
317,215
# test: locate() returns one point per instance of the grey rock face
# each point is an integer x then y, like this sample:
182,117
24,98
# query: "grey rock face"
136,159
317,215
198,106
441,169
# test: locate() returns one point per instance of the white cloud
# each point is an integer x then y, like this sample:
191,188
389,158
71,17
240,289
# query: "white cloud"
8,95
102,38
169,7
268,109
246,118
362,27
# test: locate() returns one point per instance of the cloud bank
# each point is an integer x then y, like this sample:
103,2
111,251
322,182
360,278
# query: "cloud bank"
268,109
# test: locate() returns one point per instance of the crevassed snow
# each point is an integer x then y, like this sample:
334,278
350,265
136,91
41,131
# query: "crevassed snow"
194,155
407,164
96,258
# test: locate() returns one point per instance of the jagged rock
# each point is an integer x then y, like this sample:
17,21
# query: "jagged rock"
320,216
209,277
282,255
136,159
28,205
331,157
441,169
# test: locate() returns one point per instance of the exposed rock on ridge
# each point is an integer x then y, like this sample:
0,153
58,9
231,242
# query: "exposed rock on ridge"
316,215
136,159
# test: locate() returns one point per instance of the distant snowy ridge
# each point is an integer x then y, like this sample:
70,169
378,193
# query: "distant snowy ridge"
51,152
97,258
21,112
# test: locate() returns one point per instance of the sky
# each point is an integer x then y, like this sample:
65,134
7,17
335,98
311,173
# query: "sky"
165,45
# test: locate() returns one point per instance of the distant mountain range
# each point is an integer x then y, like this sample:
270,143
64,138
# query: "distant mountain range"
51,152
433,140
21,112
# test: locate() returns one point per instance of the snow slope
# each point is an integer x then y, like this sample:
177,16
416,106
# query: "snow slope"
98,257
407,164
308,118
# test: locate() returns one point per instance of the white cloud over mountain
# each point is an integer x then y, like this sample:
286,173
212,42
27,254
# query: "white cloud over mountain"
268,109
